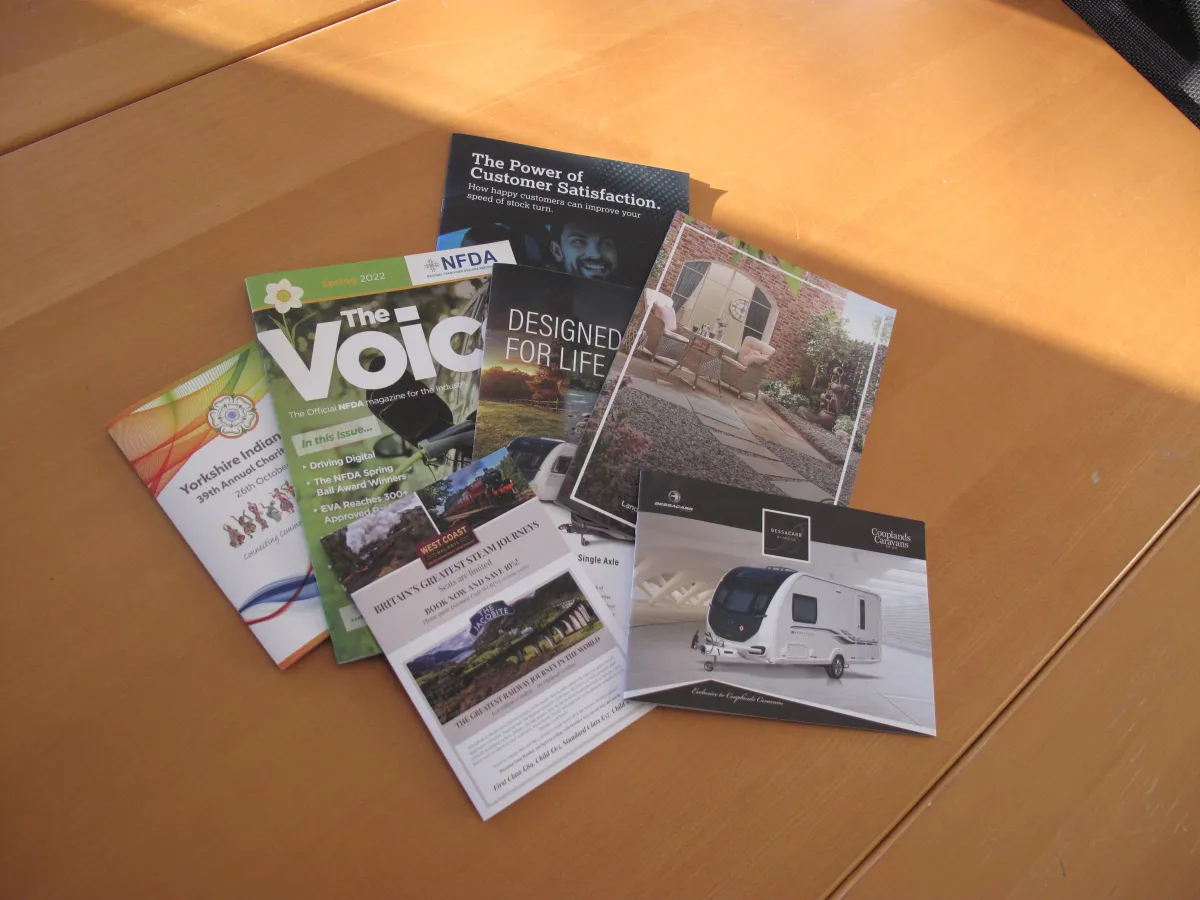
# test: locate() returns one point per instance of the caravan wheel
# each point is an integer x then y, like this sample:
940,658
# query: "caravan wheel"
836,668
708,665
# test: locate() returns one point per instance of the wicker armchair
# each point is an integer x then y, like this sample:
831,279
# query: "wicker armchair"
653,335
744,377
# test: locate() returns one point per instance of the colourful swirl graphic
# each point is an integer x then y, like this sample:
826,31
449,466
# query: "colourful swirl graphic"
285,592
161,434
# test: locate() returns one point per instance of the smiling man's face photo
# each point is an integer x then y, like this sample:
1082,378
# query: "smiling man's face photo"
583,248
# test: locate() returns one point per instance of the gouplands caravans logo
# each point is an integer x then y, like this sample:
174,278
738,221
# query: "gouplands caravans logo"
232,415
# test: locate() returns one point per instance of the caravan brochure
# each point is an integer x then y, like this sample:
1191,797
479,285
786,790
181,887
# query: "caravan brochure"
595,218
210,451
549,343
738,368
762,605
492,626
374,370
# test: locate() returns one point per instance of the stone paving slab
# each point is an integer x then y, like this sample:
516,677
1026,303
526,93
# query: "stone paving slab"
743,445
803,490
799,445
670,395
715,411
772,468
718,425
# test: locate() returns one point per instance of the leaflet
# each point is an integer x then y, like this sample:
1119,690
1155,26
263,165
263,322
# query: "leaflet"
549,343
738,368
210,451
374,368
767,606
493,627
596,218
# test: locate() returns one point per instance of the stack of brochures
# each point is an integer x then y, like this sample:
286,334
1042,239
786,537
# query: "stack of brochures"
587,451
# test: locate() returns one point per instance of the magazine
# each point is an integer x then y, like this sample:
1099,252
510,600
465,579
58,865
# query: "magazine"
761,605
492,626
209,450
374,369
549,342
596,218
737,368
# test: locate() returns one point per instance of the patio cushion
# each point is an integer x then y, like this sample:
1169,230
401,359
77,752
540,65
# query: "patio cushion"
661,306
755,351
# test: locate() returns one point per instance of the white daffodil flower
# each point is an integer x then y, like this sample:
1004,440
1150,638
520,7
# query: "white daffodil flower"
283,295
232,415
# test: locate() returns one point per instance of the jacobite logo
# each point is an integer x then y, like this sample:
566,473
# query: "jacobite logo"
674,496
232,415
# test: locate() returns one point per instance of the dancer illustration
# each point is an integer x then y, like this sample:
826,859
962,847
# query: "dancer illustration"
273,511
287,486
236,538
247,524
254,511
284,503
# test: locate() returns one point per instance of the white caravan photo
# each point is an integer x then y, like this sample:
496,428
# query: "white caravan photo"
778,616
544,462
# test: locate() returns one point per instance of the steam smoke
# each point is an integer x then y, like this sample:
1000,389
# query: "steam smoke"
377,525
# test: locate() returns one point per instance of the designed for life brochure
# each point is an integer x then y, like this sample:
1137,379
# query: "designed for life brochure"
549,343
738,368
209,450
492,626
374,370
582,215
760,605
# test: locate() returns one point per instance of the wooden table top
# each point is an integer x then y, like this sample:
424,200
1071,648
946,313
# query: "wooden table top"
991,169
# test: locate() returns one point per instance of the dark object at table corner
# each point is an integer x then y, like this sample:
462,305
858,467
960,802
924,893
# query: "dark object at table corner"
1159,38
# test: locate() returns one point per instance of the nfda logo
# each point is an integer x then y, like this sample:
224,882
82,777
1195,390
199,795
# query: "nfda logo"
464,260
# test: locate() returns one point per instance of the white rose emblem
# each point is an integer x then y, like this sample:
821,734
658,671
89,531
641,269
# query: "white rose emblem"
232,415
283,295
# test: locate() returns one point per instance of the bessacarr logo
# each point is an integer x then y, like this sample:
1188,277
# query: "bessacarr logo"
786,535
893,540
674,501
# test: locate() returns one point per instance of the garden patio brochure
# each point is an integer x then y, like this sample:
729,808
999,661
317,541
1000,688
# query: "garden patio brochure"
492,626
374,369
209,450
761,605
596,218
549,343
737,368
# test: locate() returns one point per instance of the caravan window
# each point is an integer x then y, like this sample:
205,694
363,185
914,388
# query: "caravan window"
804,609
562,465
862,614
748,591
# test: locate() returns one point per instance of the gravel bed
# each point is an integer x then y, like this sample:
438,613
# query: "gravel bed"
823,474
826,443
679,444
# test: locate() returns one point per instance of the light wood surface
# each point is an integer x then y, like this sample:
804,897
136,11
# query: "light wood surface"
66,61
1087,785
992,170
